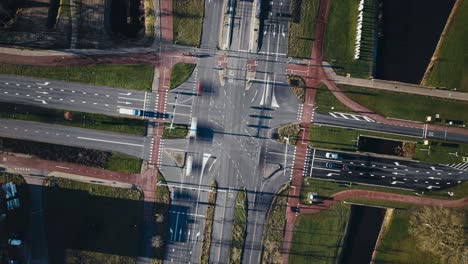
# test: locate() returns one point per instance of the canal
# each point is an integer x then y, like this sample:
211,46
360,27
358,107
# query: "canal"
363,229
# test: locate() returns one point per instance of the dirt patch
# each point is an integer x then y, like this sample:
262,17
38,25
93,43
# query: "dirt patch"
297,85
41,24
386,146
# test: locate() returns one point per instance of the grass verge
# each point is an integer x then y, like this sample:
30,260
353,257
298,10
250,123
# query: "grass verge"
206,244
328,188
289,133
135,76
73,118
450,69
398,246
407,106
188,21
302,27
81,156
345,139
180,73
320,235
326,101
83,220
340,37
149,19
177,131
273,232
238,229
162,201
298,87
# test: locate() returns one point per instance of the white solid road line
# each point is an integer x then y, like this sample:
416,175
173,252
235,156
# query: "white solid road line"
134,99
109,141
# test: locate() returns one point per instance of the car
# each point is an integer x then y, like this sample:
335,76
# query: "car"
14,242
330,155
332,165
199,89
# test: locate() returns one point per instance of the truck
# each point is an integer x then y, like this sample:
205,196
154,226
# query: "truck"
133,112
193,128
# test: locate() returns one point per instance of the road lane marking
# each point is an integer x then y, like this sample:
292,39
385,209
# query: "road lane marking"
110,141
134,99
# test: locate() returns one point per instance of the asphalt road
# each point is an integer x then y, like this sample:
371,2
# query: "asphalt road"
73,96
360,122
78,137
386,172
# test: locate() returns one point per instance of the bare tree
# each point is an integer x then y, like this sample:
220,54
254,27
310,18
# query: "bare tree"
440,231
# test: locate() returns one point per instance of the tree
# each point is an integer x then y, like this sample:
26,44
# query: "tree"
440,231
156,241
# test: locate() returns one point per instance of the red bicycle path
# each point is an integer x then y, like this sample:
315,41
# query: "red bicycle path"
314,74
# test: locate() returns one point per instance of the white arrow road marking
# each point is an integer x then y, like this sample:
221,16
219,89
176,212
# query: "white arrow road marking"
46,83
43,101
125,94
42,92
127,103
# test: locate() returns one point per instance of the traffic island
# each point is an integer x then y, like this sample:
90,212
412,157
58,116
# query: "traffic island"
273,233
289,133
180,73
238,230
298,86
206,244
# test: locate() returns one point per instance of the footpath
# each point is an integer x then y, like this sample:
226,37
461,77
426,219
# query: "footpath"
394,86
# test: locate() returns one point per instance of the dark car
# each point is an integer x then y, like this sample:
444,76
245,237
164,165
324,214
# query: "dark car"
338,166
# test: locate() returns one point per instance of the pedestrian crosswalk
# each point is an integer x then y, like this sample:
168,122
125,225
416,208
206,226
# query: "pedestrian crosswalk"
459,166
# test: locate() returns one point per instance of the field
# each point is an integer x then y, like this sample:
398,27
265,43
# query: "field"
273,232
238,229
407,106
345,139
450,69
177,131
319,236
187,21
326,101
180,73
397,246
87,157
301,33
340,35
78,119
88,223
134,77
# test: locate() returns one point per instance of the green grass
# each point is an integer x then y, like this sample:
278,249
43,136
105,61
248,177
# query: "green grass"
208,229
319,236
85,221
238,229
326,101
180,73
188,21
451,68
328,188
135,76
298,86
123,163
398,246
149,19
407,106
345,139
340,35
177,131
273,232
78,119
161,212
301,34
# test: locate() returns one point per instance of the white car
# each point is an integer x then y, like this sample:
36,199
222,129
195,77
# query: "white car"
330,155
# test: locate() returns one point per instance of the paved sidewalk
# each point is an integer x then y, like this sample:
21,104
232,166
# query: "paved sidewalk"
394,86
